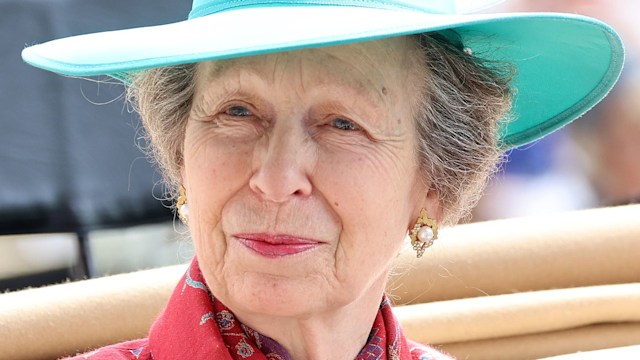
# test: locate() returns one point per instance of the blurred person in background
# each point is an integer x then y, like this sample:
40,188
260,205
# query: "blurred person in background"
608,142
594,163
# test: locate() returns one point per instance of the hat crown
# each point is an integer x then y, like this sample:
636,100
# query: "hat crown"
201,8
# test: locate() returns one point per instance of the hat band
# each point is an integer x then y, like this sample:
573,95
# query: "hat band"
207,7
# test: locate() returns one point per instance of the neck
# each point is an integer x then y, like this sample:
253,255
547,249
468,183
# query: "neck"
334,334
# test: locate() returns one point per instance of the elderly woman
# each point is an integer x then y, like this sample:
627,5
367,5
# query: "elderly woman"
304,140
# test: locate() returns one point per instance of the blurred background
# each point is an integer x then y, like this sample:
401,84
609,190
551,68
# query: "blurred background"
79,199
592,162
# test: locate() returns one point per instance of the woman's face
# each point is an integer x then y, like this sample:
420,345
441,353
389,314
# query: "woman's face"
301,175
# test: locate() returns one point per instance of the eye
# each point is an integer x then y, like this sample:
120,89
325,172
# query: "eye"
344,124
238,110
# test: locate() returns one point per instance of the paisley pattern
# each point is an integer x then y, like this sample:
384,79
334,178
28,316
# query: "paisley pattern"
225,320
195,325
243,349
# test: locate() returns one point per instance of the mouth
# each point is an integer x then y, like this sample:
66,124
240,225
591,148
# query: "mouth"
276,245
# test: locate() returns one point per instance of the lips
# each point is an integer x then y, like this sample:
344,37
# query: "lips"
276,245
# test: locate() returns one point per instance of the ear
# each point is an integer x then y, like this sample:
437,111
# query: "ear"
431,203
183,177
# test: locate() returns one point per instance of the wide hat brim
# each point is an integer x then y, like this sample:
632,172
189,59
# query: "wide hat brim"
565,64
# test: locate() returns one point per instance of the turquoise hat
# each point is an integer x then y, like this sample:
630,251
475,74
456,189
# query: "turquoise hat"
565,63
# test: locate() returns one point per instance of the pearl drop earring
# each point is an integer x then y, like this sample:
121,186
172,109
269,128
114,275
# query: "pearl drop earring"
181,205
423,233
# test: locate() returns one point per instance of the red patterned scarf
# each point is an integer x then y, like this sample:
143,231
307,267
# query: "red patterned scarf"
196,326
193,314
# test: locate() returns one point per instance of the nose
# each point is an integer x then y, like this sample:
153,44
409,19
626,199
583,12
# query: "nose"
282,167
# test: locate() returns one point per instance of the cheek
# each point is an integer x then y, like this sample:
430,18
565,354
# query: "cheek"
214,171
365,181
371,194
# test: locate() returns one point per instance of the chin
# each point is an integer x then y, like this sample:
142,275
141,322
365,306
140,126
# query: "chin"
279,296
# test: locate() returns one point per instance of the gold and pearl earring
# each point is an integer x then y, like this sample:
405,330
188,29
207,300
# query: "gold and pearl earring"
423,233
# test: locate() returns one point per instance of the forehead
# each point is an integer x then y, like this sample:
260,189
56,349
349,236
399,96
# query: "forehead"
372,67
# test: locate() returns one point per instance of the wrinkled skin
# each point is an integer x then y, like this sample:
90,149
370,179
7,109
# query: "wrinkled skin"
316,144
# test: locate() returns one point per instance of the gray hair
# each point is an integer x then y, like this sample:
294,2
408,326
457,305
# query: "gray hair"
463,100
460,103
